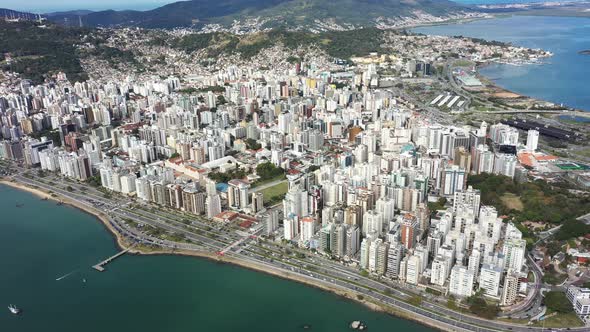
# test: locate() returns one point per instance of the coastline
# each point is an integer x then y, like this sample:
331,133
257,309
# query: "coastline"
103,218
121,244
491,82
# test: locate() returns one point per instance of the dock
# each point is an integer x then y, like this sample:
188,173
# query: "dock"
100,266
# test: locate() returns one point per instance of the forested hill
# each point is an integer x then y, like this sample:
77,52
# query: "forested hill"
40,51
292,13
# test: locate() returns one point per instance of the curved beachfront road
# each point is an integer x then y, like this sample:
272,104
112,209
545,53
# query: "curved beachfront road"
315,269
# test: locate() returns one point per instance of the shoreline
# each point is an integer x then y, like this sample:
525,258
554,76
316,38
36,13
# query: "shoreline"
491,81
121,244
103,218
493,84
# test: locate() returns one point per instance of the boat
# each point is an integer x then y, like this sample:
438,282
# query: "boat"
358,325
84,280
13,309
19,205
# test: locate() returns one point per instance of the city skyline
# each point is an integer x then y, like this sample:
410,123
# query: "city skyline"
378,163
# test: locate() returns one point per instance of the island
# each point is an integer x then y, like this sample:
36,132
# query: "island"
584,52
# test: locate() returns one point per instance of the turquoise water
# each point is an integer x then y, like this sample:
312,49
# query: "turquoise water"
41,242
564,78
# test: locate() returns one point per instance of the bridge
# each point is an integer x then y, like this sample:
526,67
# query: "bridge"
100,266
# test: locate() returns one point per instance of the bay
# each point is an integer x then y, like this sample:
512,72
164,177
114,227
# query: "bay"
562,78
41,242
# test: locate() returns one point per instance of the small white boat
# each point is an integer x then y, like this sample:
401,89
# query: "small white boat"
13,309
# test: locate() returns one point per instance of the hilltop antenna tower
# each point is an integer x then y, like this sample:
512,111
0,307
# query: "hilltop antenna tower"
80,21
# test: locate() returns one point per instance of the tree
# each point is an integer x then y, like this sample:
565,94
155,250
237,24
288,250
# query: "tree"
553,248
558,302
415,300
221,100
268,170
451,303
480,307
572,228
252,144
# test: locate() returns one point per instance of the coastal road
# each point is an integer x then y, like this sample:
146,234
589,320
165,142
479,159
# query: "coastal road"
340,277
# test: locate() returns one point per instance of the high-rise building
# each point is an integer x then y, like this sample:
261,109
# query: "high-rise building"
373,254
257,202
462,158
514,251
394,258
505,164
382,252
461,284
532,140
510,291
352,240
213,205
470,198
372,222
307,227
409,226
489,279
237,194
271,221
365,252
439,271
453,179
483,160
291,228
339,241
326,238
413,270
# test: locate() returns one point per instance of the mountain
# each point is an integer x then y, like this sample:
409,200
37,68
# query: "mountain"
293,13
69,12
10,14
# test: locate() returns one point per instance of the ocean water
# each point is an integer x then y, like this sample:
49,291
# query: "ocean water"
563,78
41,242
492,2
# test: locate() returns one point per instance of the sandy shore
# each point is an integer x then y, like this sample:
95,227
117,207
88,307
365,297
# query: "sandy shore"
121,243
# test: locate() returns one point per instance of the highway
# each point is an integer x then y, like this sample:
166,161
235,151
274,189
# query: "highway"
205,236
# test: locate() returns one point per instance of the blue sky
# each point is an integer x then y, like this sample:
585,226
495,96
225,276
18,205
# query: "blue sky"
57,5
45,6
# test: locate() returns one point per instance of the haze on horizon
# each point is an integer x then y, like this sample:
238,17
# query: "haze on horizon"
44,6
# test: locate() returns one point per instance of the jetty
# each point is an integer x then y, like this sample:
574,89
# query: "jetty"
100,266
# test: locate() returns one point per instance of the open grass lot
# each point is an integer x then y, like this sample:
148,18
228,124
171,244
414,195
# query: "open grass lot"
561,320
512,202
276,190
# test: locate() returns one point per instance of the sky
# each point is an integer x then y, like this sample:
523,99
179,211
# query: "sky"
45,6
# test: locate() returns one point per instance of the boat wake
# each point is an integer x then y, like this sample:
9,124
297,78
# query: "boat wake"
65,276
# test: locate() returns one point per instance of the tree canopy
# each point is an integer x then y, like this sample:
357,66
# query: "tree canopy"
557,301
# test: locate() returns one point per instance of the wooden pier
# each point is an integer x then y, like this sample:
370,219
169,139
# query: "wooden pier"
100,266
